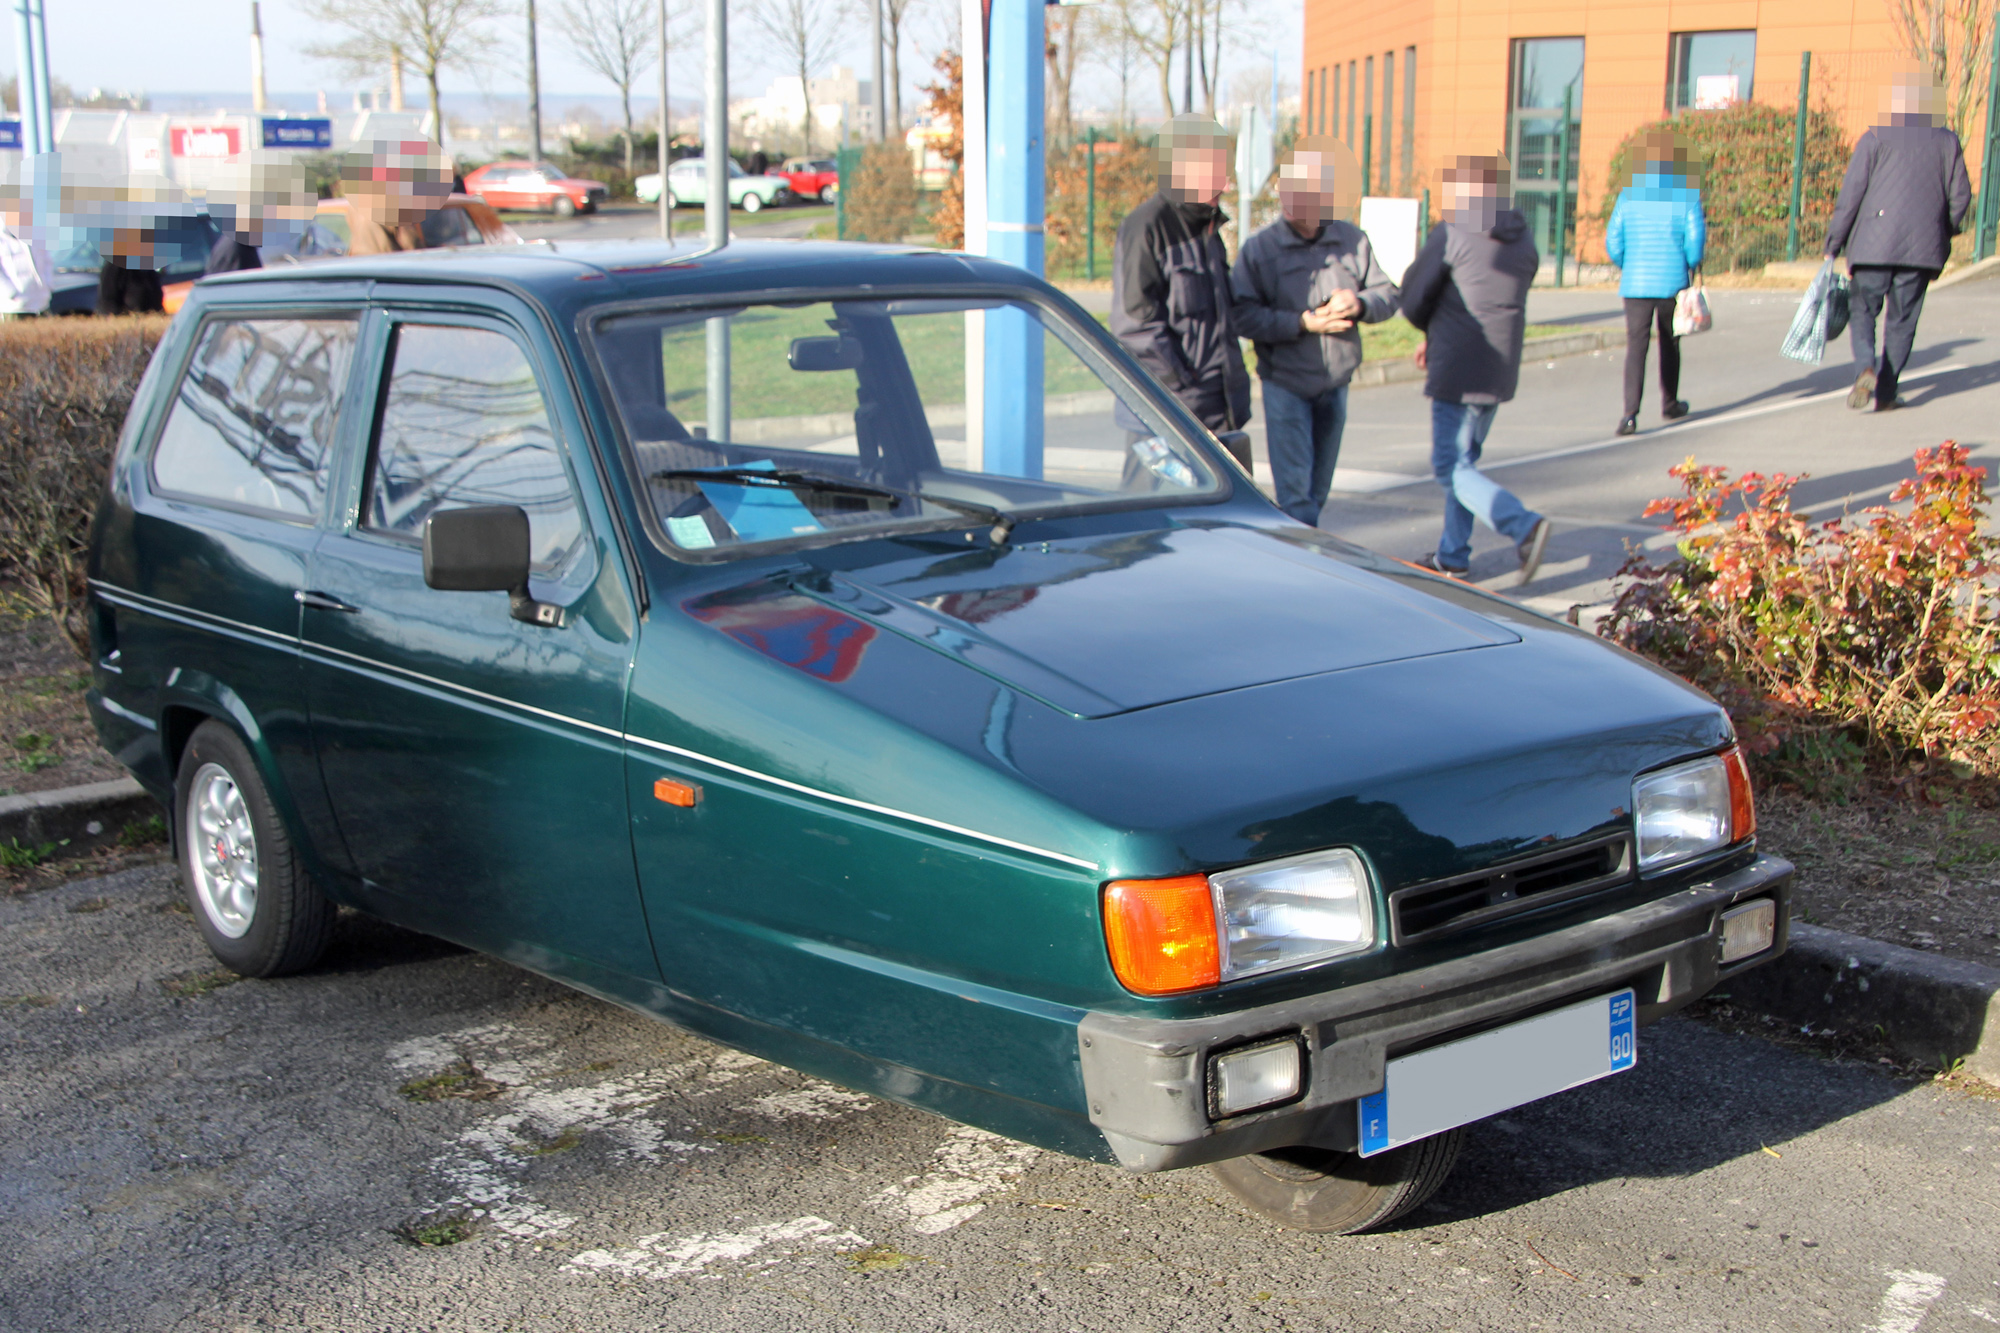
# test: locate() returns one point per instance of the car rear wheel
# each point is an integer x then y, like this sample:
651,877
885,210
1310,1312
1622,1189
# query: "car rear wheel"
827,192
673,200
1316,1189
258,910
752,202
565,206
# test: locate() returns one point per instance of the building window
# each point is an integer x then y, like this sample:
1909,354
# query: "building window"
1352,82
1409,114
1336,107
1388,119
1545,68
1710,70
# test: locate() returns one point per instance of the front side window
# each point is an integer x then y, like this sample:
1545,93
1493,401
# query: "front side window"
463,423
253,422
859,413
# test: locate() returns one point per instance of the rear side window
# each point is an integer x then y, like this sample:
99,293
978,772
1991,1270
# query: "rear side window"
463,423
252,424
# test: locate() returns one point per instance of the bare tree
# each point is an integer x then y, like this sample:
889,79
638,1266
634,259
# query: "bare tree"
1953,40
1156,30
618,39
1062,42
894,12
805,34
425,35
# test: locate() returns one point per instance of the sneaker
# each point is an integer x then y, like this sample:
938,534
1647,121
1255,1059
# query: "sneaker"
1530,550
1629,426
1675,410
1863,392
1429,561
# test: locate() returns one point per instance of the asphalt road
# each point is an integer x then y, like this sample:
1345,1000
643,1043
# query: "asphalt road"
242,1159
1753,409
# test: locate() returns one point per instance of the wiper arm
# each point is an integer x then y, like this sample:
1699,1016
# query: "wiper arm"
798,479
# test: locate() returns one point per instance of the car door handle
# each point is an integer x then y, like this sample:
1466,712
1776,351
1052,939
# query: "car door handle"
322,601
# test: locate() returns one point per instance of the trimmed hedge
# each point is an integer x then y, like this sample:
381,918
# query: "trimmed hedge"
65,386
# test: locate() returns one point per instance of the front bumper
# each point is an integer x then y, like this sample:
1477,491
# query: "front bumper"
1146,1079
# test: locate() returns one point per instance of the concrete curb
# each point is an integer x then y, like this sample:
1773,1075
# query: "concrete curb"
1402,369
79,818
1923,1007
1984,268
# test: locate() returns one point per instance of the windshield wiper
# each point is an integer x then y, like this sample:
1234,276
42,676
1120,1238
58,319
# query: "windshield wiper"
797,479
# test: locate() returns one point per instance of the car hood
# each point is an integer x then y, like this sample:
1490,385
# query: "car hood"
1102,624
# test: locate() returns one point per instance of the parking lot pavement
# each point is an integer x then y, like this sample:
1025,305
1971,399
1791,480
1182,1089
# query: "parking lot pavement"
1753,409
180,1155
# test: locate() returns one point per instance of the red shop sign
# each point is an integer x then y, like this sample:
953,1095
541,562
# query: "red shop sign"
207,140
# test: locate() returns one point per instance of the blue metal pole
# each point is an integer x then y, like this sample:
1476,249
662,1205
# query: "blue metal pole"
1016,178
42,107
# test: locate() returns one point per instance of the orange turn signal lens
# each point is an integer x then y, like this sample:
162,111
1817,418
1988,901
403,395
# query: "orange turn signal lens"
1742,808
675,792
1161,933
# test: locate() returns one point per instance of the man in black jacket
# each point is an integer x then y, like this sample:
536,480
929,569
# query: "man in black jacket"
1170,302
1904,197
1468,292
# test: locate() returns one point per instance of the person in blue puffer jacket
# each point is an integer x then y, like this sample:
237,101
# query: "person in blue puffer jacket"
1656,235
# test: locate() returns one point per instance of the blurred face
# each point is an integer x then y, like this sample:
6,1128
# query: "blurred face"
1911,99
1199,175
1472,203
1306,190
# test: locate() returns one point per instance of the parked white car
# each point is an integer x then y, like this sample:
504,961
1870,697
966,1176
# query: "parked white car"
687,183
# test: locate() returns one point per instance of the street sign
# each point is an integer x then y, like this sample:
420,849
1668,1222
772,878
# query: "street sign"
207,140
310,134
10,134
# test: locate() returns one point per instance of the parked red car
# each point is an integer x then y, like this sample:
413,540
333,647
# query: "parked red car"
810,178
539,186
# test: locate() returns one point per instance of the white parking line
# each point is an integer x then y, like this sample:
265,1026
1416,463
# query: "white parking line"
1908,1300
970,1165
657,1257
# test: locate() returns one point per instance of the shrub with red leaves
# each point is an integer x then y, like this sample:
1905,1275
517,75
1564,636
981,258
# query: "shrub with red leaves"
1871,634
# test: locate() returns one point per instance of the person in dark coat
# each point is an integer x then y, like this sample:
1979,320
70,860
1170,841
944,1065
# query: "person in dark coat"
123,288
1904,197
1468,292
1170,297
232,254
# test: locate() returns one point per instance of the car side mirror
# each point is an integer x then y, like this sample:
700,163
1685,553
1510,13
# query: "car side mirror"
485,548
817,354
1237,442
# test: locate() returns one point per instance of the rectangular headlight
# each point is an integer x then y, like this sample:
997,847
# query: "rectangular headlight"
1681,812
1286,913
1243,1080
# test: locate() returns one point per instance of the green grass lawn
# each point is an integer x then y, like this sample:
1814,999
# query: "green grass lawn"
763,384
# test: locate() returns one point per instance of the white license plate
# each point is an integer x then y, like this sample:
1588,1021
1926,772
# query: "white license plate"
1470,1079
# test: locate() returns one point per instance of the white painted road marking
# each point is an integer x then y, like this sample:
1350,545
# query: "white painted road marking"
1908,1300
657,1257
971,1164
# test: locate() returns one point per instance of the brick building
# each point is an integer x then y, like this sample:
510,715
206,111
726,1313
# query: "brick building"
1439,77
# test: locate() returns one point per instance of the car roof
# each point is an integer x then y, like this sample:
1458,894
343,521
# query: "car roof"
567,276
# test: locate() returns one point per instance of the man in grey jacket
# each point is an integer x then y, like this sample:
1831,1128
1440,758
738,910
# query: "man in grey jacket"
1903,199
1301,285
1468,292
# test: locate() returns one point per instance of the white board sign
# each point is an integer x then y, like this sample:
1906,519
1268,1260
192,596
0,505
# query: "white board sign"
1391,225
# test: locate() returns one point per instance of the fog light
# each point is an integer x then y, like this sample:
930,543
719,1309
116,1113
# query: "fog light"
1253,1076
1748,929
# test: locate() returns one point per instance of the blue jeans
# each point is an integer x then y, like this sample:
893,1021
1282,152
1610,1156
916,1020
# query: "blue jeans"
1458,433
1303,436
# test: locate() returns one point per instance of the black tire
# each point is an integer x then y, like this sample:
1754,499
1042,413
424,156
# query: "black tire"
827,192
282,925
564,206
1315,1189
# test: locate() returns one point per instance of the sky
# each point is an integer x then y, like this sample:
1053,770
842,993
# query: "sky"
203,46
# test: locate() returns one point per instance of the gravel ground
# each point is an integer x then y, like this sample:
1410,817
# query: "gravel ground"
182,1152
1920,876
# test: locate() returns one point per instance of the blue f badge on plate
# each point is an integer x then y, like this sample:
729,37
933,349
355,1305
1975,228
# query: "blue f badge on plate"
1462,1081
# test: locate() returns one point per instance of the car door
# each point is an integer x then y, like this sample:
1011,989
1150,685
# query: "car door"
498,187
473,760
226,503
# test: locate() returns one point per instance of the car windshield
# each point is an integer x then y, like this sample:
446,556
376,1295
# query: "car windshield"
735,170
857,412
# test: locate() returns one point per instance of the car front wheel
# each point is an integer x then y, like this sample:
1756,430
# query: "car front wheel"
259,912
752,203
673,200
565,206
827,192
1317,1189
